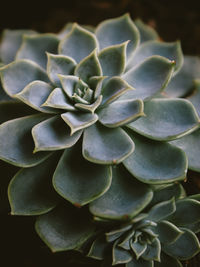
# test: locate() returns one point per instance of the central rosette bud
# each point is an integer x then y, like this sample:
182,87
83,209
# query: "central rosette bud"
83,94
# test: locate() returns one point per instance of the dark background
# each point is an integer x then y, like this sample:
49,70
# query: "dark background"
173,19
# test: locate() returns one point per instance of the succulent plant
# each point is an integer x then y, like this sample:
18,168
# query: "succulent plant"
161,235
83,117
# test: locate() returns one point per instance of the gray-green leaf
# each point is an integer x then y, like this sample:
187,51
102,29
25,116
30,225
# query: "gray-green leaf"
125,198
78,180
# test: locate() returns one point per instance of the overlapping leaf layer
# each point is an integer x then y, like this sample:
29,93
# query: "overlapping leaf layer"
97,117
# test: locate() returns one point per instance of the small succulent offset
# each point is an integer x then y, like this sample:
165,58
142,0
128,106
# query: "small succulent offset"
85,115
162,235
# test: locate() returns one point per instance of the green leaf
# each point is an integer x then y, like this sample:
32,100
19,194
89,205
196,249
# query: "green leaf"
3,95
98,249
96,83
11,110
34,48
18,74
91,107
119,255
57,99
172,51
183,82
147,33
78,121
69,83
156,162
183,218
152,251
185,247
31,192
116,233
125,198
116,31
10,43
17,144
59,64
113,59
78,43
175,190
140,263
167,261
105,145
194,98
34,95
168,232
190,144
114,88
78,180
88,67
53,134
64,228
149,78
167,119
161,210
120,113
138,249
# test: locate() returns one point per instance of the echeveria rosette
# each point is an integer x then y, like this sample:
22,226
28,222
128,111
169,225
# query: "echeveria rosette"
75,104
162,234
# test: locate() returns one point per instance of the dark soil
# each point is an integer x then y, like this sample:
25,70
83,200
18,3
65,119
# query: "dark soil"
173,19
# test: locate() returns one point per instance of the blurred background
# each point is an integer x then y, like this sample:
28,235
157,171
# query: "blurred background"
173,19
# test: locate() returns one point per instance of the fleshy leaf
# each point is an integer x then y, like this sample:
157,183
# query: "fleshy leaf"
113,59
149,78
116,233
18,74
10,43
191,145
57,99
105,145
161,210
138,249
172,51
31,192
156,162
83,184
167,119
167,261
91,107
125,198
183,218
185,247
114,88
183,82
96,83
13,109
64,228
152,251
77,121
68,84
119,255
34,48
88,67
167,232
17,144
98,248
194,98
121,112
59,64
78,43
147,33
140,263
116,31
173,190
34,95
53,134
